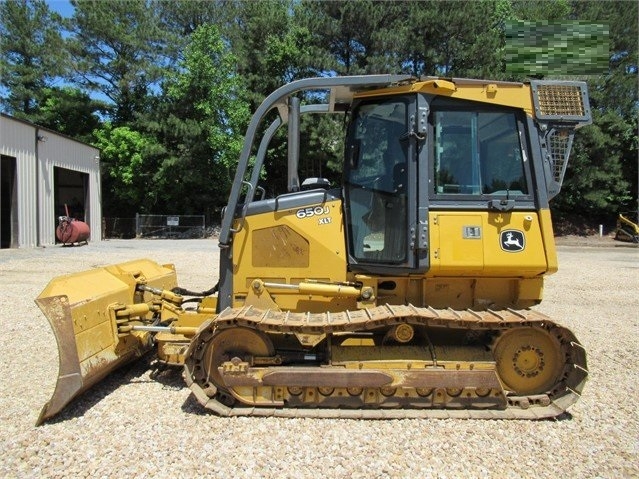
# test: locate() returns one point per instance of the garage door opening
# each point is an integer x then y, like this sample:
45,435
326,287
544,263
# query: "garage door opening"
8,203
71,192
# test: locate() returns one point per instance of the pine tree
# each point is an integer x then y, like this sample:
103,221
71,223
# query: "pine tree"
119,50
33,54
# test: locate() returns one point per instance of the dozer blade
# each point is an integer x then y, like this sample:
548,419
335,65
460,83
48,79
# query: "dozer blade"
79,308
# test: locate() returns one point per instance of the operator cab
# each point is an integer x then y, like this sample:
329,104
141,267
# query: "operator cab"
463,156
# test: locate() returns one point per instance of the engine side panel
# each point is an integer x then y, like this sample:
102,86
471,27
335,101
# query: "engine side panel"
289,245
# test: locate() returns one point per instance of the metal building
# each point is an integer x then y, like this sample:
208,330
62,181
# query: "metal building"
41,171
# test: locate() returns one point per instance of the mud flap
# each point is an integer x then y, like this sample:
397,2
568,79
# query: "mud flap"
79,309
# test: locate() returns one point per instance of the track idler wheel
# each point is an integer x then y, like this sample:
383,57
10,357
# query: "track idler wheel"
233,343
529,360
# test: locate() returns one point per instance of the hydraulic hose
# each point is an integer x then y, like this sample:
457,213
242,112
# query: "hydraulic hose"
186,292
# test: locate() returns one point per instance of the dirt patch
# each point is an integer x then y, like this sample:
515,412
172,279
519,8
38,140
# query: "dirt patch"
594,241
586,240
595,294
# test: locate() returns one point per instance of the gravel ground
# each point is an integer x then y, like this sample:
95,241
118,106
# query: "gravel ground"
130,425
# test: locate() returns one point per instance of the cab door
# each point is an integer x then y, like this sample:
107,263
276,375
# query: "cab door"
380,186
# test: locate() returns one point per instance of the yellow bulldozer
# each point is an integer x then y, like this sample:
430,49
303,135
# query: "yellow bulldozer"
627,227
405,291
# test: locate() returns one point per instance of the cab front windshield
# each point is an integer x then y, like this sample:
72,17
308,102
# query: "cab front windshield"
376,181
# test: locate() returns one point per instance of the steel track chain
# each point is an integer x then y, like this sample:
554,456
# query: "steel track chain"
565,393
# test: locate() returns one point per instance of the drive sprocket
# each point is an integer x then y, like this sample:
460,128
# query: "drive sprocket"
529,360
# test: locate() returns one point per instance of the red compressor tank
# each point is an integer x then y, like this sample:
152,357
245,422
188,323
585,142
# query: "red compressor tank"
70,230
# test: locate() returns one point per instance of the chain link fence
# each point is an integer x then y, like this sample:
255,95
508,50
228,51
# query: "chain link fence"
157,226
170,226
120,228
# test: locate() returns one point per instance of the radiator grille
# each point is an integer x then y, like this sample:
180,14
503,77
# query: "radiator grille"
561,101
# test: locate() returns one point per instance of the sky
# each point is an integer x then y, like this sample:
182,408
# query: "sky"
63,7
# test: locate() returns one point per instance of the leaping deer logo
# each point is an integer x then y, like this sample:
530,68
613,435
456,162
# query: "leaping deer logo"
512,241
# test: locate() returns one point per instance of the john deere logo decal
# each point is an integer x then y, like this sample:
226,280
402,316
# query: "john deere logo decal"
512,241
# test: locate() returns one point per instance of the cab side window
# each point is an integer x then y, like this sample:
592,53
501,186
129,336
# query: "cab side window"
478,153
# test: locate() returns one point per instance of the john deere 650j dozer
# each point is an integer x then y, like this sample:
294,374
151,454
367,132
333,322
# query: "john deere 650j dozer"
402,292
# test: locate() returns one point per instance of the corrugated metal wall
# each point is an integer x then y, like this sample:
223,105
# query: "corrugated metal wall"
35,186
59,151
18,140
